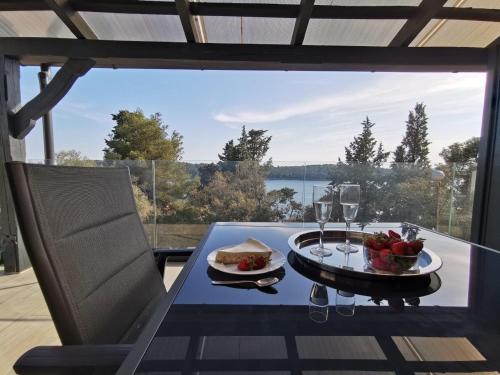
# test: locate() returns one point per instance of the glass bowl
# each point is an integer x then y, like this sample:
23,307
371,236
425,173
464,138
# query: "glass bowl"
386,261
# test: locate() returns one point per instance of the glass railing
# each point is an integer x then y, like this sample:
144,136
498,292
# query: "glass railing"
178,200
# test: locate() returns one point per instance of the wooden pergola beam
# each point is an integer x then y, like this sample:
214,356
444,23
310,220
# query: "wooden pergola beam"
72,19
495,43
302,21
127,54
258,10
427,10
187,21
23,120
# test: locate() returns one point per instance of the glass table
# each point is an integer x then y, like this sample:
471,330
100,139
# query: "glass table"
317,323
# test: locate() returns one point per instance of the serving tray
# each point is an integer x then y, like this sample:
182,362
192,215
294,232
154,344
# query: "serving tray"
301,243
404,287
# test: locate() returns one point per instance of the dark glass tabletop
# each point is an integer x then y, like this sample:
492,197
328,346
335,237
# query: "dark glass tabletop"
314,322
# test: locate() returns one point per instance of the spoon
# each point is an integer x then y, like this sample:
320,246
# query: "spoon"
261,283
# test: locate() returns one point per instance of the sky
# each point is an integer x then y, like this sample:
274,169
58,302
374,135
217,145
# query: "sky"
311,116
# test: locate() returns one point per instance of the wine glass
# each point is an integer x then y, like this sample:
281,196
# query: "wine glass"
345,303
318,303
349,199
323,204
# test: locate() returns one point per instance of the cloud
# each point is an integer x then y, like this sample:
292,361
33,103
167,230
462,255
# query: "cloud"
385,93
84,110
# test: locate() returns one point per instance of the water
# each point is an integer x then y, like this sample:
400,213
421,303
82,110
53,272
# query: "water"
322,210
304,189
350,211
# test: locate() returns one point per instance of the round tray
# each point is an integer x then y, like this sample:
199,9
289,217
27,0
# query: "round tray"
301,243
400,288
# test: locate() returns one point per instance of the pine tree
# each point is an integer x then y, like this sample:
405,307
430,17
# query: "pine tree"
414,147
257,145
362,148
230,152
381,156
399,154
137,137
243,145
251,146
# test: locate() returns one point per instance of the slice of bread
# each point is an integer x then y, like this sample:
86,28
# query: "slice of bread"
249,248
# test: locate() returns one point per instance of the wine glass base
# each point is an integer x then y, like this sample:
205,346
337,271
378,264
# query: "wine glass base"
347,248
321,252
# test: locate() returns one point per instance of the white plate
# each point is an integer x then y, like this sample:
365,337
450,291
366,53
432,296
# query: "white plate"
277,261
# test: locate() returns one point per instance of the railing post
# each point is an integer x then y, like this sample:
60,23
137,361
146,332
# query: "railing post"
155,228
11,244
48,133
452,197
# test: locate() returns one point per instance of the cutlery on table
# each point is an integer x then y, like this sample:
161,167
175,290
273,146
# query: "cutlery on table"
261,283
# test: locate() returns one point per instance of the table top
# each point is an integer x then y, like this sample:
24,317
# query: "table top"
312,322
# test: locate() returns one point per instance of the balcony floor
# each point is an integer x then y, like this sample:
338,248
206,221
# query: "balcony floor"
25,321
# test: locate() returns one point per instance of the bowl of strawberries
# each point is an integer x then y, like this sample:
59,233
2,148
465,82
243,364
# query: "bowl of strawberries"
390,253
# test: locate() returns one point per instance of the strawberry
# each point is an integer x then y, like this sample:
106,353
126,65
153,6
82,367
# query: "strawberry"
377,263
259,263
379,245
382,240
399,248
369,242
244,265
392,241
393,234
416,245
386,255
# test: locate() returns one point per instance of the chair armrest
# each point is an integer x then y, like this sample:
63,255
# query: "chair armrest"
72,359
161,256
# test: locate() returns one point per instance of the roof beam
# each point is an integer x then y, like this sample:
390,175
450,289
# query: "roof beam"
257,10
164,55
72,19
126,6
301,22
187,21
7,5
495,43
244,10
427,10
469,14
22,121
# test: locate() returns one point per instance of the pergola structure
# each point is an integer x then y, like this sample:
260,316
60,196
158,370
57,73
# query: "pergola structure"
349,35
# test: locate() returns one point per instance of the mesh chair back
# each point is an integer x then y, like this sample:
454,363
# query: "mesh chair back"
89,250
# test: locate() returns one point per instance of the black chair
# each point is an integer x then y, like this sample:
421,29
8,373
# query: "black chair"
98,274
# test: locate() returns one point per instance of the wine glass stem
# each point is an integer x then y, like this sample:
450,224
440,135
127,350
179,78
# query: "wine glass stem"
321,228
347,234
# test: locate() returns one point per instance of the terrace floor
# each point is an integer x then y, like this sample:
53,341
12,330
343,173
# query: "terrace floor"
25,321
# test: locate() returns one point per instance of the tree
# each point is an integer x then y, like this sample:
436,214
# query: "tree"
76,159
73,158
456,199
284,205
462,152
251,146
381,156
144,206
137,137
362,148
399,154
257,145
414,147
230,152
